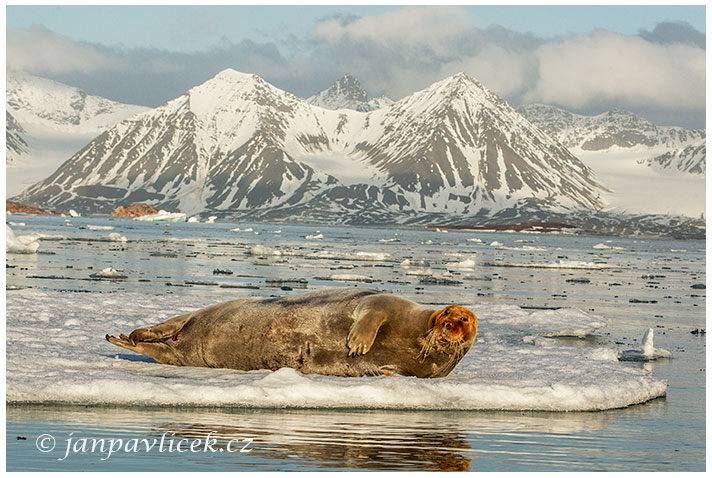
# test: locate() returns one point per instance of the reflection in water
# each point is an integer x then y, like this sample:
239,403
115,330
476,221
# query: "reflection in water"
336,439
342,440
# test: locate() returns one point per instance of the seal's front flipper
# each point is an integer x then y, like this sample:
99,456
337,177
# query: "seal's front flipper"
363,331
388,370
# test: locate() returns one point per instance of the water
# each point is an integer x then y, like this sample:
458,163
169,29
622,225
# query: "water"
665,434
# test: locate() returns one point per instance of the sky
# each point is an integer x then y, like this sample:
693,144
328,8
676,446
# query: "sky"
586,59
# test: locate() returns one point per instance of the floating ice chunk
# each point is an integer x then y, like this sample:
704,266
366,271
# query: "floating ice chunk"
27,244
372,256
603,246
314,236
348,278
419,272
74,213
211,220
476,240
71,322
467,265
163,216
92,227
193,219
16,224
523,248
260,250
116,237
108,273
357,256
414,263
496,244
392,239
647,352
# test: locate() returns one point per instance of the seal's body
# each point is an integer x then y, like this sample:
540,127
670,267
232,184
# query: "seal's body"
344,332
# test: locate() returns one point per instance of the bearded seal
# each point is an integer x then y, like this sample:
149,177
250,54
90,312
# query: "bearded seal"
347,332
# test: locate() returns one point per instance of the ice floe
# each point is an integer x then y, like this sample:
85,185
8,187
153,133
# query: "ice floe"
108,273
510,367
163,216
25,244
602,246
93,227
647,352
116,237
467,264
260,250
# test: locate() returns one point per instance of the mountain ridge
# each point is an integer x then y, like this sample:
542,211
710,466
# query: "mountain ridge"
233,144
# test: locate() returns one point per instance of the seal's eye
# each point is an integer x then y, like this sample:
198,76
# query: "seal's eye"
464,319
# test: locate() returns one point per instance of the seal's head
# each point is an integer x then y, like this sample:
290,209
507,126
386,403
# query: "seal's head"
454,323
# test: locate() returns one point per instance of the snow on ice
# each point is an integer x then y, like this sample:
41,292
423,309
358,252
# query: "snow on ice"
27,244
56,352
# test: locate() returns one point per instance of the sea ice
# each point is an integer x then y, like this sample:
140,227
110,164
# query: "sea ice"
92,227
116,237
467,265
27,244
260,250
502,371
108,273
163,216
647,352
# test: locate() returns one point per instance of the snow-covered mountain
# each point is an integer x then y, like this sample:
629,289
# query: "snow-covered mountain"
621,129
347,93
238,146
15,143
648,168
690,158
49,121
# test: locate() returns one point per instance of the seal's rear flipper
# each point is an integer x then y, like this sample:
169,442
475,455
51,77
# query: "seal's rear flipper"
155,350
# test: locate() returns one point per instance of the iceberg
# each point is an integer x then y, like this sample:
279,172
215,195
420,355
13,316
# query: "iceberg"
647,352
27,244
163,216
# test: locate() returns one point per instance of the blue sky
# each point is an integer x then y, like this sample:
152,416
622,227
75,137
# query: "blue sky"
188,28
588,59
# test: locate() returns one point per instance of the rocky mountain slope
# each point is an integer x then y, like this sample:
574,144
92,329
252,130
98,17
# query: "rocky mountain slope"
47,122
237,146
347,93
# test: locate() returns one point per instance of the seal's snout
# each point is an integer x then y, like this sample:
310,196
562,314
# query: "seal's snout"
447,331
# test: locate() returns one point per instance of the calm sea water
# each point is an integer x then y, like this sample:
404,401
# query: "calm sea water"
666,434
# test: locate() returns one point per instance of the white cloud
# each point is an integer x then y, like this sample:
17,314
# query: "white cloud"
607,67
39,50
396,53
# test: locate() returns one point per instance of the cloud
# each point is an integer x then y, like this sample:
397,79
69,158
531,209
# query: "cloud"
397,52
609,68
674,32
37,49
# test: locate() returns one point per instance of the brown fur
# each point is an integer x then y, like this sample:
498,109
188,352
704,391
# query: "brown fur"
344,332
